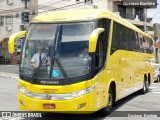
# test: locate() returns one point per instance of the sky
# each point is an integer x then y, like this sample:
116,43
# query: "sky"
154,12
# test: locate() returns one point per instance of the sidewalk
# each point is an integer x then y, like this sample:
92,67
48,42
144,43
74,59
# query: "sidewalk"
9,75
10,71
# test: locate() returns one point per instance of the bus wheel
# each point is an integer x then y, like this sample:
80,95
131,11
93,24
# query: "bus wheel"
108,109
158,78
145,86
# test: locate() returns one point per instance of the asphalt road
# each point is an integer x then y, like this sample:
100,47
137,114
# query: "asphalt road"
135,102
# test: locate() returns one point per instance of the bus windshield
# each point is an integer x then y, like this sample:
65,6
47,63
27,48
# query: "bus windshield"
64,51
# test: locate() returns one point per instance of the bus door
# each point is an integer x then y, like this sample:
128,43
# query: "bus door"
100,58
100,62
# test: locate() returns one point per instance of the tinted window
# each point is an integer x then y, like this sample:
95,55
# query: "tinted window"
146,44
116,37
101,50
125,39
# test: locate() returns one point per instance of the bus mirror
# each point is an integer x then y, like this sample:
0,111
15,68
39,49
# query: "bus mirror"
93,39
12,39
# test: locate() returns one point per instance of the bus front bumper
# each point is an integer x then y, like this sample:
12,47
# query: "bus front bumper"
83,104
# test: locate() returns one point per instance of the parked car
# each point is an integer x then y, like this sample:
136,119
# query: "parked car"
156,72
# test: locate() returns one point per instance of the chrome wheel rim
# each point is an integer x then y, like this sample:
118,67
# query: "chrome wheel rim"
109,100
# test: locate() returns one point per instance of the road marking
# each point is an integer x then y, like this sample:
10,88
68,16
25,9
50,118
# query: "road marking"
152,87
155,90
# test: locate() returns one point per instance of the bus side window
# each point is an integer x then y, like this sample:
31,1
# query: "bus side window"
102,44
146,45
99,55
151,47
115,37
142,42
137,44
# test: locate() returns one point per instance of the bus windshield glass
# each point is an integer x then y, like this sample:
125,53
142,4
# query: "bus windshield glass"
57,51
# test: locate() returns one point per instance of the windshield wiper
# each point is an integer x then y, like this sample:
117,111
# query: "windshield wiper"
62,69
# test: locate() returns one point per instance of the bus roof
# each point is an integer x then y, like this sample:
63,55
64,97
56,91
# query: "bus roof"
84,15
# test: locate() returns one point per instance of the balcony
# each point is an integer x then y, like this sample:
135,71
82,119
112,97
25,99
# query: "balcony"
132,17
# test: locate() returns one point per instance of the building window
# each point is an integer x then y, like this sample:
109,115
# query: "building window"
2,20
87,1
140,13
9,22
9,19
9,2
122,11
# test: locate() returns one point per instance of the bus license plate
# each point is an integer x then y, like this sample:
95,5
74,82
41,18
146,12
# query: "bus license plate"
49,106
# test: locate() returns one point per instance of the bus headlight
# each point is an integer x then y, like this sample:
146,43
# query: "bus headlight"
84,91
23,91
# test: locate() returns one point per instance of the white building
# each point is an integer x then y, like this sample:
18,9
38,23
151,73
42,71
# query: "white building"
11,22
135,15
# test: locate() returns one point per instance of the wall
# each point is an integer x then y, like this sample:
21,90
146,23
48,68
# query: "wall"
14,9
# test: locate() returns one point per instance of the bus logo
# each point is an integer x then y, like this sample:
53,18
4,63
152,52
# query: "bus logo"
48,97
55,73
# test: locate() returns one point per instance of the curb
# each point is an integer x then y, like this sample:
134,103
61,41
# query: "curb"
9,75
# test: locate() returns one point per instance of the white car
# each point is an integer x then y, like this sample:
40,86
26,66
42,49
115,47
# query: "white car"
156,72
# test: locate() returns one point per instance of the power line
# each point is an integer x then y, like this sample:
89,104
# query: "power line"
51,9
32,7
72,5
82,4
68,6
62,7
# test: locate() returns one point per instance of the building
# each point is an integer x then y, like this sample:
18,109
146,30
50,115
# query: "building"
11,21
135,15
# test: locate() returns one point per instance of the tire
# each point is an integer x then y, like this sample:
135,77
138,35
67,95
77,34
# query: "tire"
108,109
145,86
158,78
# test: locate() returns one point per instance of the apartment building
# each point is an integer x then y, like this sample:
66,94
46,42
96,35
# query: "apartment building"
135,15
11,22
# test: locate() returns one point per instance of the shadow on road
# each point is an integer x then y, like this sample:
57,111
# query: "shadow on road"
123,101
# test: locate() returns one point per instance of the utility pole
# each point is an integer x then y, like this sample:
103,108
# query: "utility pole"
33,8
145,19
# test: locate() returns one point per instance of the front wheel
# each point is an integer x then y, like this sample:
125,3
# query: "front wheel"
158,78
108,109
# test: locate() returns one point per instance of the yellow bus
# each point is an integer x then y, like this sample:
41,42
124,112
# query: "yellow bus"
117,63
